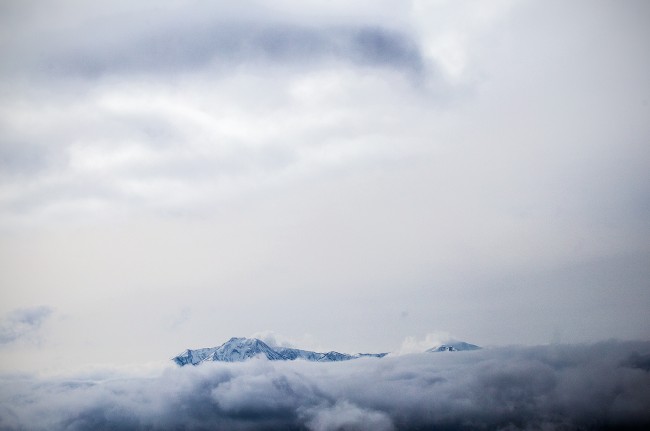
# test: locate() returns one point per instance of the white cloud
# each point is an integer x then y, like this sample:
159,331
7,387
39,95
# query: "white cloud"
413,344
345,415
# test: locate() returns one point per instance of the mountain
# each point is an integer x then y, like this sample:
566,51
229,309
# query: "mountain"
233,350
293,354
456,346
335,357
241,349
193,357
370,355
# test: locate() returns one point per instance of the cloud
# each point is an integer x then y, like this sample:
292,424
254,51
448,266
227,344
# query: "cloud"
168,40
176,106
22,322
185,49
275,339
265,164
414,345
144,145
344,415
551,387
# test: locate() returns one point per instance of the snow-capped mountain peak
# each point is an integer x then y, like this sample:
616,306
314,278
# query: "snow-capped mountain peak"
233,350
454,346
239,349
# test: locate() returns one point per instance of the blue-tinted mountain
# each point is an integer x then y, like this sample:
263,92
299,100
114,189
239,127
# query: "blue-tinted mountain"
370,355
241,349
456,346
233,350
193,357
293,354
335,357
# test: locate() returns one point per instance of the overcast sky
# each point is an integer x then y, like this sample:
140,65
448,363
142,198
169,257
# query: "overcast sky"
351,176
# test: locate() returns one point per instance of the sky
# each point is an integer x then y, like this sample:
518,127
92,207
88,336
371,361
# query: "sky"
364,177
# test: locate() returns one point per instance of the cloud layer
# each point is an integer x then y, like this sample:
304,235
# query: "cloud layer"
566,387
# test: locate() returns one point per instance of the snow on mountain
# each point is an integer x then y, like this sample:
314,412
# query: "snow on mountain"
334,357
370,355
455,346
193,356
293,354
241,349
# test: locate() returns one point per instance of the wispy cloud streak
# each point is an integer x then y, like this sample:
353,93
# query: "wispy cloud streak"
22,322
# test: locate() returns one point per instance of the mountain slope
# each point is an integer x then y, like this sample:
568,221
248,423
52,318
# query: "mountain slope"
241,349
193,357
456,346
293,354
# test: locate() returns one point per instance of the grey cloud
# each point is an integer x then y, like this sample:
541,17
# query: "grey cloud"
52,104
22,322
553,387
23,151
344,415
22,158
187,46
637,360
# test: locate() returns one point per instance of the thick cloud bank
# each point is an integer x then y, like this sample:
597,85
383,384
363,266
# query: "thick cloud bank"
601,386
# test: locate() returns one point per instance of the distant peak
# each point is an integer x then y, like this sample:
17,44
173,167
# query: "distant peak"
238,349
454,346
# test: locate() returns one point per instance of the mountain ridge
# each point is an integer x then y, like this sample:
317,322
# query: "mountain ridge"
454,346
239,349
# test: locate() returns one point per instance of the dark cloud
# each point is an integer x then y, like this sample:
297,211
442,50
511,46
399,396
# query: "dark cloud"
567,387
118,46
22,322
637,360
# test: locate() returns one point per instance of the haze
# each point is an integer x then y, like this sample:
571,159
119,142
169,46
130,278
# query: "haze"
355,177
